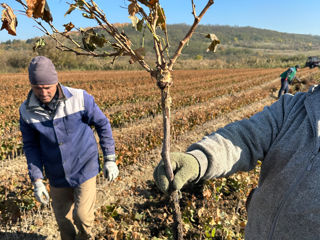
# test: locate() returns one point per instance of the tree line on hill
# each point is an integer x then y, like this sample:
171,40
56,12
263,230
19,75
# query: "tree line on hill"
240,47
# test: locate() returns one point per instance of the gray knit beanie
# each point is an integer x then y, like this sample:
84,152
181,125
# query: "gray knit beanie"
42,71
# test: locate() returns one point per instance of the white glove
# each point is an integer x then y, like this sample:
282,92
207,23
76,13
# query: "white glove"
40,192
110,168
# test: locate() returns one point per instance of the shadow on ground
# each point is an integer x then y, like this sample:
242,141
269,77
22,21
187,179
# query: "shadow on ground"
21,236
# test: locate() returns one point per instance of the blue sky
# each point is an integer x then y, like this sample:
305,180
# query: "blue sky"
293,16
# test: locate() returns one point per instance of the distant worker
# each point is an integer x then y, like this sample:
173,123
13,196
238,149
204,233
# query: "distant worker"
55,122
287,78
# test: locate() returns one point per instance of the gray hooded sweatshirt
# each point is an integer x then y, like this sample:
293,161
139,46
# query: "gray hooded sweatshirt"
286,138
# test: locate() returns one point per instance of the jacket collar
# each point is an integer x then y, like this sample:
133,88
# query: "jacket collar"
33,102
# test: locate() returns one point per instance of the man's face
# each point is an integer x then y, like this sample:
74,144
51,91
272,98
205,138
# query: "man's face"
44,93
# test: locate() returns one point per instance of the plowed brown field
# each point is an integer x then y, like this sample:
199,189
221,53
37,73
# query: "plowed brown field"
132,207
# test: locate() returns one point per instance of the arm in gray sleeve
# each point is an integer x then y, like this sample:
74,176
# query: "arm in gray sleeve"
239,145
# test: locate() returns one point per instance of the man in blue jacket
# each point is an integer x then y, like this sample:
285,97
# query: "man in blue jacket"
286,78
55,122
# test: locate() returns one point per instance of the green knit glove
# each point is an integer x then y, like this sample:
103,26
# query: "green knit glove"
185,167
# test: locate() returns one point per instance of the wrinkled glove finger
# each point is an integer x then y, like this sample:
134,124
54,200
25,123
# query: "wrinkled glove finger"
46,197
113,175
110,177
44,201
187,169
42,197
105,173
160,178
38,198
110,171
40,192
180,179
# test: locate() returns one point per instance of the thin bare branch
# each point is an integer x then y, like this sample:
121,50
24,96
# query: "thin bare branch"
92,54
143,13
61,46
63,34
189,34
193,9
120,38
156,41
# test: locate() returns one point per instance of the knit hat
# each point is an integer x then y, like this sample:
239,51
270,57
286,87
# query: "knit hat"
42,71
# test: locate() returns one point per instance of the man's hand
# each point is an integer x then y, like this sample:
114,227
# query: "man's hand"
185,167
110,168
40,192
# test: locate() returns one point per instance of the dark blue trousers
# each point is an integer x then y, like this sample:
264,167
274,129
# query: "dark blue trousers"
284,87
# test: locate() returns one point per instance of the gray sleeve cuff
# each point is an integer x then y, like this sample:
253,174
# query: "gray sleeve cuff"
110,158
203,163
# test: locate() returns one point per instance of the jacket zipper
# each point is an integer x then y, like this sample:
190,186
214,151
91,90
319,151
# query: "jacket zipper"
286,196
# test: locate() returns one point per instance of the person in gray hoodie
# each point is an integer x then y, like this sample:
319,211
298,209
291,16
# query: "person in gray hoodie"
286,138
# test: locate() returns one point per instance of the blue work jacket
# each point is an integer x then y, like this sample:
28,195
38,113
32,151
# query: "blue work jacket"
63,143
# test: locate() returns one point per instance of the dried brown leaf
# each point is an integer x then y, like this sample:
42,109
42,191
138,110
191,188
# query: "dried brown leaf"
72,7
150,3
214,44
140,53
207,193
161,22
133,8
134,21
68,27
47,14
9,19
35,8
39,9
153,2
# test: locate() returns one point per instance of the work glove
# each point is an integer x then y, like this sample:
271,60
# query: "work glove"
110,168
40,192
185,167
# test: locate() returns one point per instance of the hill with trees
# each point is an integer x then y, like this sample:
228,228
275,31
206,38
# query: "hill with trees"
240,47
